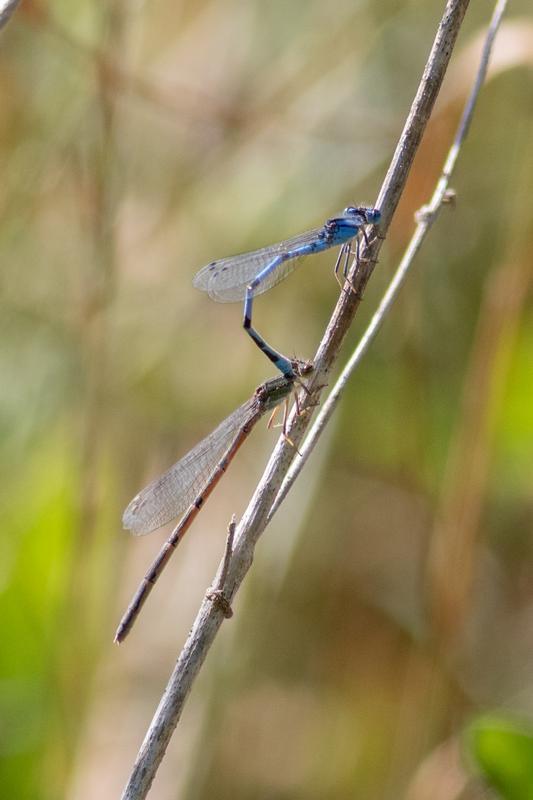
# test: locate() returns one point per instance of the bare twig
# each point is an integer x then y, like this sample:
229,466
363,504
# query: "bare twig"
6,10
255,518
425,219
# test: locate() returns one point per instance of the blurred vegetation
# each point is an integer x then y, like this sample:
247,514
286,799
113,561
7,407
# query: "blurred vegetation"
392,600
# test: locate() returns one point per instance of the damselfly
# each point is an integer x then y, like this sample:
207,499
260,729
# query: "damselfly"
188,484
253,273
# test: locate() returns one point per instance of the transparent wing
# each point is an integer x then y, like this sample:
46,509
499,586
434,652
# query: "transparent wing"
226,280
170,494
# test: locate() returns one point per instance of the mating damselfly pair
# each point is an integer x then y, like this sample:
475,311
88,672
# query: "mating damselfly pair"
186,486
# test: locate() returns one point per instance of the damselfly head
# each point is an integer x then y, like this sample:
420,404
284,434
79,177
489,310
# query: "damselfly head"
370,215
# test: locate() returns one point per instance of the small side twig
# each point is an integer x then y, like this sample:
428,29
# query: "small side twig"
216,593
425,219
255,519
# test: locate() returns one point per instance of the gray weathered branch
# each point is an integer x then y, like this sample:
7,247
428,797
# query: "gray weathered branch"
255,518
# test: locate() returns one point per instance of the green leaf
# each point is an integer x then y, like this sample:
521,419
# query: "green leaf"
502,749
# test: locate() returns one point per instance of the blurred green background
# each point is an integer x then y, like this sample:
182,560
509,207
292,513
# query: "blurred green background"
391,601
